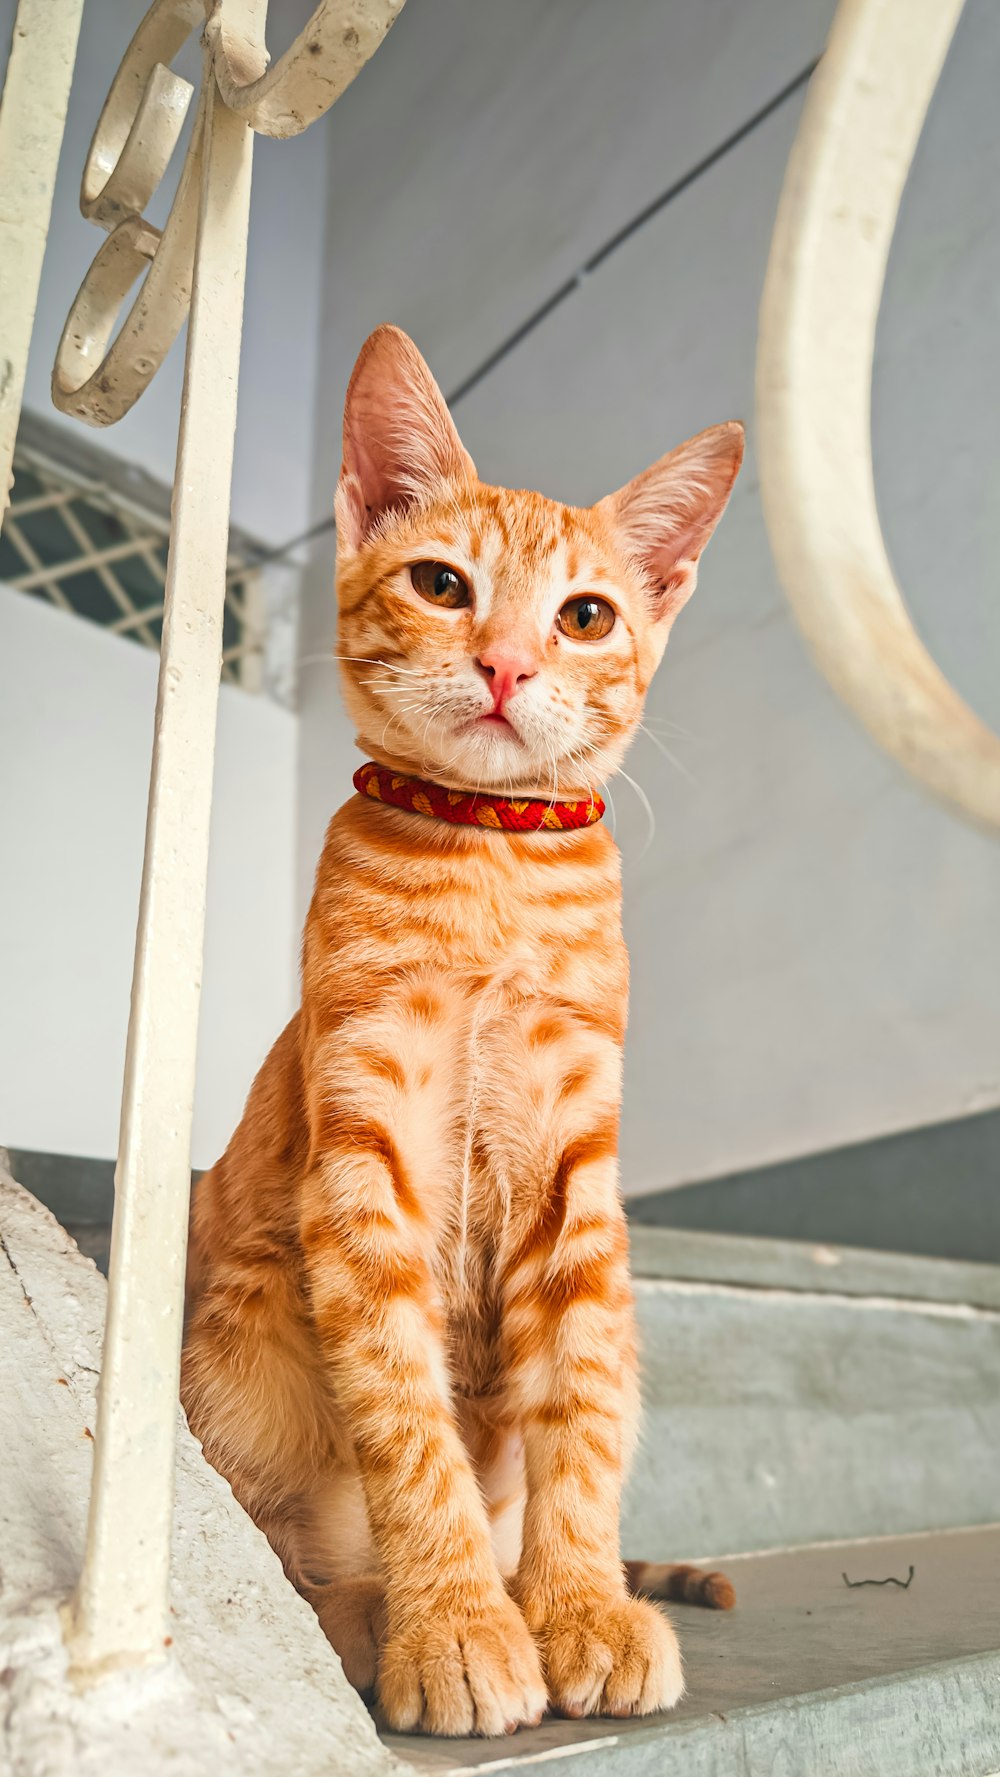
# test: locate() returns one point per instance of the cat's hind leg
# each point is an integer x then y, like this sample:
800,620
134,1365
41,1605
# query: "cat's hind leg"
339,1573
352,1616
265,1423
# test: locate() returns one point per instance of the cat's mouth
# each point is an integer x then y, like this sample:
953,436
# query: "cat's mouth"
495,721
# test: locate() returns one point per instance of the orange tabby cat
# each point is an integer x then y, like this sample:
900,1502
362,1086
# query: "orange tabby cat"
410,1343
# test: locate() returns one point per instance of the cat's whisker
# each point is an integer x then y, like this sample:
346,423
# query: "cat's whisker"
387,686
554,769
672,728
677,764
325,659
647,805
397,685
391,723
391,666
572,761
423,739
576,757
405,690
398,719
450,759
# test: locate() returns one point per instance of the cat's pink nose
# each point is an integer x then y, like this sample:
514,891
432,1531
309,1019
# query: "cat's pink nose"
505,672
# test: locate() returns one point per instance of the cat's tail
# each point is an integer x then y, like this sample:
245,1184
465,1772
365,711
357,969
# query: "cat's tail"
680,1584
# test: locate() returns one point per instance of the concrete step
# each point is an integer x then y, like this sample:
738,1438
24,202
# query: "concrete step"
251,1686
797,1394
682,1255
792,1394
808,1677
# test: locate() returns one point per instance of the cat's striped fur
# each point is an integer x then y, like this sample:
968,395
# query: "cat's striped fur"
410,1339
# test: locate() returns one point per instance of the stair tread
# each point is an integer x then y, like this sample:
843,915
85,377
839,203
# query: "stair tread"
807,1676
747,1261
803,1662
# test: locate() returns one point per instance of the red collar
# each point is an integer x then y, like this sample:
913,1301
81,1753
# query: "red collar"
462,808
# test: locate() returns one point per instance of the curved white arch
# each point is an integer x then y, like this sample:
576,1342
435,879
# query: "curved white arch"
862,121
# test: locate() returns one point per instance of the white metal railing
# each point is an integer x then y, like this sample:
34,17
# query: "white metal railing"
32,121
859,130
193,269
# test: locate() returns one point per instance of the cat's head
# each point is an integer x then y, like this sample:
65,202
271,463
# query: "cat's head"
492,639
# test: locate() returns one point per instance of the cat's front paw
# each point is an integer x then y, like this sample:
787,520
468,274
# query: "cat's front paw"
609,1656
477,1673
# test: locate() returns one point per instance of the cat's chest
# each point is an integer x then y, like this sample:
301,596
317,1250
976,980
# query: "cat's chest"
542,1054
498,916
532,936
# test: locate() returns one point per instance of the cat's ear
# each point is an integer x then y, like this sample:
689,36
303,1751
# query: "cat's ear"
400,440
667,514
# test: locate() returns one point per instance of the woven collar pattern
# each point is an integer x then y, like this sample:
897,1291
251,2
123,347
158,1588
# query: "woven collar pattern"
465,809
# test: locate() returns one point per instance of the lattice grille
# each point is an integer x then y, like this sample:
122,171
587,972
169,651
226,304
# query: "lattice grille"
84,548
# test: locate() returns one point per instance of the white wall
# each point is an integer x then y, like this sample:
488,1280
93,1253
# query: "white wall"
817,952
483,157
76,705
816,947
76,716
272,480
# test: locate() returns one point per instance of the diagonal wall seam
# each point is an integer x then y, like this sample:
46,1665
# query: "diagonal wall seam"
566,289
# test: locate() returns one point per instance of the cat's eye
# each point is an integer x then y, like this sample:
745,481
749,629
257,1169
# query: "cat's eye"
439,584
586,619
